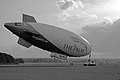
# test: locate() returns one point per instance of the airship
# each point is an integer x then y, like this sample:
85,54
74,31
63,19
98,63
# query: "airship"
61,43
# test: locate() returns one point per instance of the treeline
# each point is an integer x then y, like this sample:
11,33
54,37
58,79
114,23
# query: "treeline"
39,60
8,59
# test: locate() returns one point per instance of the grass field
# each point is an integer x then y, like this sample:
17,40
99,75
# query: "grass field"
59,71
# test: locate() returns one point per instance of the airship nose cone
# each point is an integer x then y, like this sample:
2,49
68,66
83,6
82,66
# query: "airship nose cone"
89,49
88,46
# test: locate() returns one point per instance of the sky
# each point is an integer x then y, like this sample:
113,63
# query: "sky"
96,20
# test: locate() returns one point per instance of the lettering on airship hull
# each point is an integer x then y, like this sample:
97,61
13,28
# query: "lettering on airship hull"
73,48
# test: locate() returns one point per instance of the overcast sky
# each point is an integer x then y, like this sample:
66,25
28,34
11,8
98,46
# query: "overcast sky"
96,20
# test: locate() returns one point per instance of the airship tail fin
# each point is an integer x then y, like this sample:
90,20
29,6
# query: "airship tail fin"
27,18
24,43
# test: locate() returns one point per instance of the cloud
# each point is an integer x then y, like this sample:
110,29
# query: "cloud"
108,19
104,37
72,8
84,12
